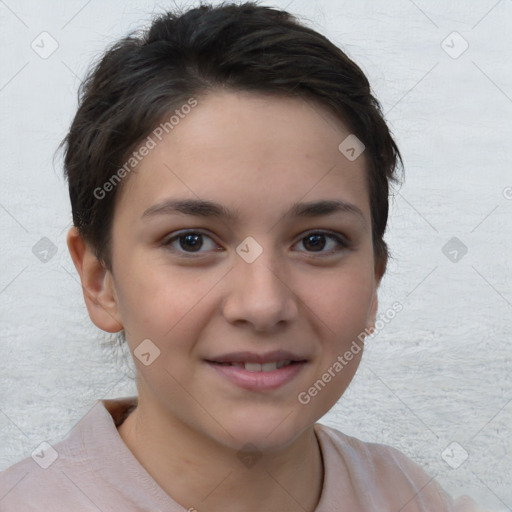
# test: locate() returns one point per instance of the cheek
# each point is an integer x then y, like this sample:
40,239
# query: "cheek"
164,304
340,303
339,312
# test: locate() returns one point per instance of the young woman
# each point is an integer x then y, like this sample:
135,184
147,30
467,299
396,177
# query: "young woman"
228,172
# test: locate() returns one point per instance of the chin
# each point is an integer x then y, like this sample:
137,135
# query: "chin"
270,431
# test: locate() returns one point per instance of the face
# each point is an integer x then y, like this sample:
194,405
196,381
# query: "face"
219,295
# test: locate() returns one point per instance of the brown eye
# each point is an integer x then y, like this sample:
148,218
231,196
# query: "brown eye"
192,241
318,241
189,242
314,242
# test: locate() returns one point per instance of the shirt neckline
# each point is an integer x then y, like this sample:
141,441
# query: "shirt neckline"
124,467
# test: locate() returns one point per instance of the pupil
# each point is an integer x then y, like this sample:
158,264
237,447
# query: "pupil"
193,241
317,241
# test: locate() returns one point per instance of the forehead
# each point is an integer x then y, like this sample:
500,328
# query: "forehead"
248,148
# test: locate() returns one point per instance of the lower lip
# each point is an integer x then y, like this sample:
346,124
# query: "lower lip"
258,381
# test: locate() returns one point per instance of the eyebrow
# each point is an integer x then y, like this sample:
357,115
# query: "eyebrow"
205,208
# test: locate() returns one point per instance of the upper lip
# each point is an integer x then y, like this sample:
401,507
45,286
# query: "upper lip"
253,357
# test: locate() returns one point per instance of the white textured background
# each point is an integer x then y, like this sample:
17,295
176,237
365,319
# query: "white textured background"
439,372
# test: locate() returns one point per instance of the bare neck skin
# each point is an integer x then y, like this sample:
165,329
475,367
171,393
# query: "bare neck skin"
200,474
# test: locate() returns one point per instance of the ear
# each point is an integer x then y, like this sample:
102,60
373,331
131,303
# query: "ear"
97,284
380,268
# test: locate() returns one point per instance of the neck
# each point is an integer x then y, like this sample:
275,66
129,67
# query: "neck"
199,473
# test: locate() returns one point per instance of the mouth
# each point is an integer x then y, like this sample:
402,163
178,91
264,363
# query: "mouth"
257,367
258,372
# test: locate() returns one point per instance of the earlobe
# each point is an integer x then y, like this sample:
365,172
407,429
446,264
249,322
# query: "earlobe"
97,284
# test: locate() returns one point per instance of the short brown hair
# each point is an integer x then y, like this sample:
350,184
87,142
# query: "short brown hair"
240,47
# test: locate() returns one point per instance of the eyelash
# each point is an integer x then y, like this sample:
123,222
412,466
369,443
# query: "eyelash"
340,240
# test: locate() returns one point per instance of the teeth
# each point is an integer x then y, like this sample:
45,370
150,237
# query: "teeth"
266,367
253,367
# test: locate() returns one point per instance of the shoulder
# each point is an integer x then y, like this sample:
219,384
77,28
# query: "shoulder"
60,476
32,482
387,474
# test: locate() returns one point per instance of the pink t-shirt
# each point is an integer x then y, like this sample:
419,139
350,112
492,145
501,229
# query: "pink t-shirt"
93,470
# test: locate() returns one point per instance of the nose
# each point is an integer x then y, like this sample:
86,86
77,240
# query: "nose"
260,295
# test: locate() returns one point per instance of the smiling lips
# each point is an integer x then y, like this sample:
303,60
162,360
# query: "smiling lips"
257,367
254,362
258,372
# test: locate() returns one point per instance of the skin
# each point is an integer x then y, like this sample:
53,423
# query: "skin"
256,154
